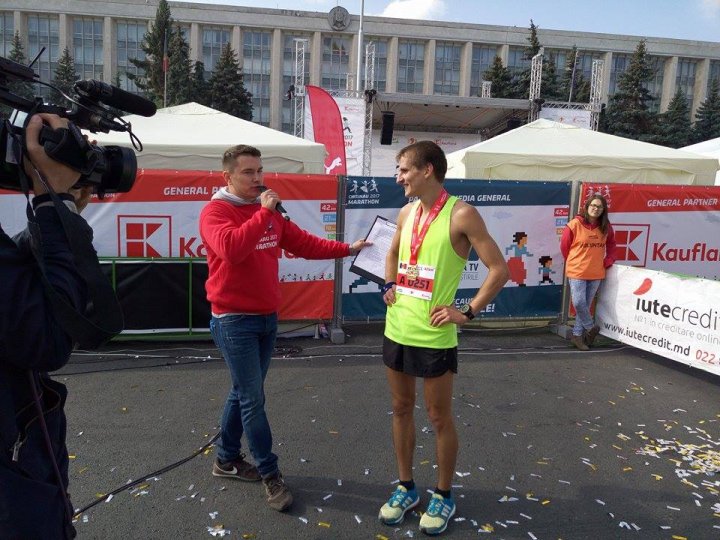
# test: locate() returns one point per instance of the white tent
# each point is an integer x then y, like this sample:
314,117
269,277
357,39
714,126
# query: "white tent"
546,150
194,137
707,148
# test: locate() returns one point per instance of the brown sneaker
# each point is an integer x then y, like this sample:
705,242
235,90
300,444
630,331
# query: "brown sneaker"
238,469
579,342
279,496
591,334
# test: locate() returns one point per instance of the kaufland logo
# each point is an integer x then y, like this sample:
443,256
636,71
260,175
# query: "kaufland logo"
632,243
144,236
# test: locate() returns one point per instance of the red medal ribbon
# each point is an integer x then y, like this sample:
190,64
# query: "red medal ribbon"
417,238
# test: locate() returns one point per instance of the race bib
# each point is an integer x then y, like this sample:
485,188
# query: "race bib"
420,286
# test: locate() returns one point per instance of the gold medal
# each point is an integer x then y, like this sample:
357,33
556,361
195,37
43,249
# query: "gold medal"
412,272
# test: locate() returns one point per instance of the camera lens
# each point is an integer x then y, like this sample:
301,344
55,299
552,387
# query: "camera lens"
120,169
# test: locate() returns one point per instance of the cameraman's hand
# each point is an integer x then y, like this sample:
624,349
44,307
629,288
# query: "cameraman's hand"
60,177
82,197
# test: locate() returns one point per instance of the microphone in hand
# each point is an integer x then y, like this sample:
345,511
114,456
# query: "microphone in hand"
278,206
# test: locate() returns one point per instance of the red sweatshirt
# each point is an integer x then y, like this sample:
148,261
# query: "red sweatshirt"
586,250
243,244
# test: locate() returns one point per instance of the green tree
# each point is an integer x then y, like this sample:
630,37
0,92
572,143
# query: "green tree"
17,54
550,86
673,127
628,114
199,87
155,47
707,117
500,78
65,74
521,83
573,79
180,70
227,91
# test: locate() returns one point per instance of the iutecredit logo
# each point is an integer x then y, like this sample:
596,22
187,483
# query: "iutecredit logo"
144,236
708,319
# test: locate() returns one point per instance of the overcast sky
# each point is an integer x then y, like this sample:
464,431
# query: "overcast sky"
683,19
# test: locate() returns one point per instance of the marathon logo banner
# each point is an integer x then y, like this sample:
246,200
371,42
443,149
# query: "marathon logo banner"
675,317
526,220
668,228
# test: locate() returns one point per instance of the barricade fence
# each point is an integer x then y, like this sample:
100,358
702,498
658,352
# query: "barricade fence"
150,246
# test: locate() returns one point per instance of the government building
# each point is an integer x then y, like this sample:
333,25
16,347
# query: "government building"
429,73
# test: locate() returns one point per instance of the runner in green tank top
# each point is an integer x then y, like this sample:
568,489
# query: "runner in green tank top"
422,273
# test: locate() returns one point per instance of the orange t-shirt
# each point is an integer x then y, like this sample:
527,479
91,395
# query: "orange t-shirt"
587,252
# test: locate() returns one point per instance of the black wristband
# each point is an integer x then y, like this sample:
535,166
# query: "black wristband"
389,285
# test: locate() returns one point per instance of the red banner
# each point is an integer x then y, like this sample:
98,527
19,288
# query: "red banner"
327,128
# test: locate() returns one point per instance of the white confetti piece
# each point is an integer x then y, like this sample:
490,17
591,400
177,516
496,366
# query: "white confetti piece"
600,502
218,532
525,516
213,515
326,497
672,508
462,474
303,519
665,527
339,482
109,498
459,519
531,535
357,518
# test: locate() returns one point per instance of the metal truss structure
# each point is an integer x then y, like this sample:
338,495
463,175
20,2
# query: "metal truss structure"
369,97
486,89
298,94
536,67
596,85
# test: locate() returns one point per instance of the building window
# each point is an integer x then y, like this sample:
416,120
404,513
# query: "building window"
43,32
335,62
713,73
7,32
411,66
559,57
288,105
620,62
517,63
214,39
381,51
584,63
256,73
447,68
655,84
88,47
130,36
483,57
685,78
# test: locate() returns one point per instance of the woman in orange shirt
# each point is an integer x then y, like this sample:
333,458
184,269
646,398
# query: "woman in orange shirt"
588,245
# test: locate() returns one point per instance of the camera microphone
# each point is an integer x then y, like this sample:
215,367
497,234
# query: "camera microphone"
278,206
115,97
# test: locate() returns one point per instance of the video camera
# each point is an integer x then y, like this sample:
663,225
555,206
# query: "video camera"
108,169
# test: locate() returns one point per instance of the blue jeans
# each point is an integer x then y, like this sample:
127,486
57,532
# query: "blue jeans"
246,343
582,292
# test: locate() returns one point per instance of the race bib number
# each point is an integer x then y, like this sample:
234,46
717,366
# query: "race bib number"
418,287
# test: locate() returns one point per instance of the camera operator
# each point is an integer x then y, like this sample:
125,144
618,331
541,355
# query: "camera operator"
34,461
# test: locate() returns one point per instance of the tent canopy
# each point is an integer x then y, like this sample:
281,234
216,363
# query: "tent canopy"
546,150
194,137
709,148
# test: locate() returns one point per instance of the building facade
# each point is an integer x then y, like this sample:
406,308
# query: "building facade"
430,61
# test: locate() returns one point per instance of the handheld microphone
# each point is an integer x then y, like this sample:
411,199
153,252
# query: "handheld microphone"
115,97
278,206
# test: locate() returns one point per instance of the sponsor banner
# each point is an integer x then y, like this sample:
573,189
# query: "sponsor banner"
572,117
323,124
668,228
352,113
668,315
158,218
524,218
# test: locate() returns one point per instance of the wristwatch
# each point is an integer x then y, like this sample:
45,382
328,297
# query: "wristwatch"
466,310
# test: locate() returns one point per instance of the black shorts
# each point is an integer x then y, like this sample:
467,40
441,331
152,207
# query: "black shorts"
419,361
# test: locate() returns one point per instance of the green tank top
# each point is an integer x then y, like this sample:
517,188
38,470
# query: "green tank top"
408,320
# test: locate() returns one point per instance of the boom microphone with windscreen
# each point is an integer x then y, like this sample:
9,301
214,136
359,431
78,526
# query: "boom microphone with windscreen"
115,97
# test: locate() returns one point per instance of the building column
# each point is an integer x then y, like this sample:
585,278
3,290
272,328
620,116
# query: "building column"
353,63
392,65
702,72
64,33
669,77
429,71
20,25
466,69
315,58
503,53
236,44
109,53
276,71
607,68
196,54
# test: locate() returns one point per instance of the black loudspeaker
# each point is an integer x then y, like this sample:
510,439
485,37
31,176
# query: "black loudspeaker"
386,131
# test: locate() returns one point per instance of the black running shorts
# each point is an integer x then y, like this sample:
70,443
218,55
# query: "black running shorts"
419,361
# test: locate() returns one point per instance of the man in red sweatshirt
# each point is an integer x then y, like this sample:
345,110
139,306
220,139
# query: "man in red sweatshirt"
244,234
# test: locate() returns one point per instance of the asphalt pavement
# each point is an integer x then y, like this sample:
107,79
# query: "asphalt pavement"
554,442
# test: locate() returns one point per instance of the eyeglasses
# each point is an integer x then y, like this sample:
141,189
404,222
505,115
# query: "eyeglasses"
600,206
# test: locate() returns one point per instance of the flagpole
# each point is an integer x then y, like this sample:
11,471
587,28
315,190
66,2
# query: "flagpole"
359,49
